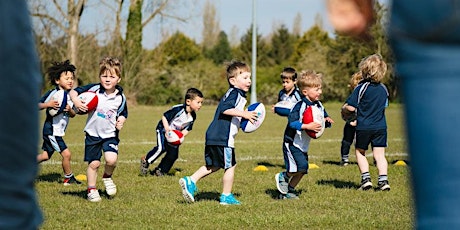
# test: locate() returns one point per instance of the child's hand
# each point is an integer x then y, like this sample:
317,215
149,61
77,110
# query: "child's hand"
329,119
120,121
313,126
52,104
79,104
250,115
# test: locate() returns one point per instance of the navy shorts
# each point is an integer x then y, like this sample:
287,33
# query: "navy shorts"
294,159
219,156
377,138
53,143
95,145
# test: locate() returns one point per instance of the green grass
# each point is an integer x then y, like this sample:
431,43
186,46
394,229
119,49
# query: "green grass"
329,197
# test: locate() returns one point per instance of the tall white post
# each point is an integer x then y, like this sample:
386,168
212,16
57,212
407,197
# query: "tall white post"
254,53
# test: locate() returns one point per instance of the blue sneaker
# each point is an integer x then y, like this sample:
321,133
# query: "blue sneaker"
188,189
228,200
282,182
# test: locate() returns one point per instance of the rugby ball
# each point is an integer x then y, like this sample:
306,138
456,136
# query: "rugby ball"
246,125
283,108
61,97
89,99
174,137
314,114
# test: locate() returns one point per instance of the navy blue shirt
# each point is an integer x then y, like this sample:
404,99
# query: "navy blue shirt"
178,118
223,128
371,106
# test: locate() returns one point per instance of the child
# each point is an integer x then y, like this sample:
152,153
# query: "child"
370,100
350,123
62,76
220,137
103,125
296,141
290,92
179,117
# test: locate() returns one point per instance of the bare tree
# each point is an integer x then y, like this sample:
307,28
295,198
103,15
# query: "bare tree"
66,18
211,27
297,25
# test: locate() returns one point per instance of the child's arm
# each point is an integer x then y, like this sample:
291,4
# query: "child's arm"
120,121
48,104
77,102
70,111
250,115
165,124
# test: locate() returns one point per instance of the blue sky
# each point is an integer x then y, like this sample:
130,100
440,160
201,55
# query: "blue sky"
231,13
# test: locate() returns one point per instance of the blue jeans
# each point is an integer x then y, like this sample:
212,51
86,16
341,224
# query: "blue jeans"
425,37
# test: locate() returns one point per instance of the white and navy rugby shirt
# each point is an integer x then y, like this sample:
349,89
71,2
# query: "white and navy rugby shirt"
178,118
223,128
293,97
56,125
293,132
101,122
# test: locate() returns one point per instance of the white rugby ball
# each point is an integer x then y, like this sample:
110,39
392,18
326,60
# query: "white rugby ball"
314,114
61,97
89,99
174,137
283,108
246,125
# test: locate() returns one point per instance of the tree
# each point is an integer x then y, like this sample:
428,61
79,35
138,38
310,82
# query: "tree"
222,51
54,14
179,49
211,26
244,50
282,45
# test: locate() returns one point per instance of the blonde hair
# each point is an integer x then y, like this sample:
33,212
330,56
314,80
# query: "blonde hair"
355,79
111,64
309,79
236,67
373,68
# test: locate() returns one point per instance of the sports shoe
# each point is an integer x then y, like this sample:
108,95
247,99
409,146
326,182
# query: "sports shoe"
70,181
158,172
383,185
144,167
228,200
289,196
188,189
365,184
94,196
344,162
110,187
282,183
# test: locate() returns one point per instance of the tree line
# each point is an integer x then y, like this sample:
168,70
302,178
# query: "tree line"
161,76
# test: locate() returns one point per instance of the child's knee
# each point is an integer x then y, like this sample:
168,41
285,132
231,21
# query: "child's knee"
94,165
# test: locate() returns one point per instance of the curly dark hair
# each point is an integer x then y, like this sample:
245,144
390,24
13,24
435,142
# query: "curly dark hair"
54,72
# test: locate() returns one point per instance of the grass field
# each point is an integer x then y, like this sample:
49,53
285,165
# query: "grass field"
329,197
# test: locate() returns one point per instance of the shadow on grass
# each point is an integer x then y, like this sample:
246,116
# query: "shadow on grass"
337,163
50,177
339,184
276,195
82,193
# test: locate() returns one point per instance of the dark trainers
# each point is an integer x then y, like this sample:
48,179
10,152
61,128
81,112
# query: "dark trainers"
383,185
158,172
144,167
366,184
282,182
289,196
71,180
344,162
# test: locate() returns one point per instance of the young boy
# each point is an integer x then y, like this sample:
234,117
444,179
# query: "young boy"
290,92
220,137
180,117
103,125
296,141
349,128
370,99
62,76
